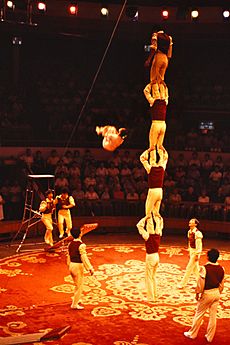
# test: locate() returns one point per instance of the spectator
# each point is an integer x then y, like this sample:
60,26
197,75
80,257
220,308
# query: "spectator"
39,164
181,161
215,178
90,193
194,160
52,160
118,194
90,180
78,193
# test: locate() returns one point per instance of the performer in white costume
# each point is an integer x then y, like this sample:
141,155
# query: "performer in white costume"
195,249
64,203
152,241
47,208
113,138
154,162
209,287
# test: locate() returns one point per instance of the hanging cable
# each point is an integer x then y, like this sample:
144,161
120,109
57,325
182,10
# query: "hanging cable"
95,78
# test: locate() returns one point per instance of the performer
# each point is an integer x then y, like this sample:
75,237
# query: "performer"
47,207
161,51
154,162
156,92
64,203
77,260
208,290
195,248
113,138
152,241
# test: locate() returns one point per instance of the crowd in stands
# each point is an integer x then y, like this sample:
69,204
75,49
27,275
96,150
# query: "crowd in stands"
118,186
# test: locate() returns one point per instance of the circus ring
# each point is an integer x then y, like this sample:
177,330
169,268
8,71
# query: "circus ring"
36,291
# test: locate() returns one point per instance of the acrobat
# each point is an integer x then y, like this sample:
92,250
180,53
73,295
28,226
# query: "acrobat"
154,162
152,242
156,92
113,138
161,52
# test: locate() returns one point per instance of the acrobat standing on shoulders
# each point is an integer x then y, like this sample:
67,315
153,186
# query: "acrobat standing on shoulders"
156,92
113,138
154,162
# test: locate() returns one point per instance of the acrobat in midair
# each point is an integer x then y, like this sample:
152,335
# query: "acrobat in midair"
113,138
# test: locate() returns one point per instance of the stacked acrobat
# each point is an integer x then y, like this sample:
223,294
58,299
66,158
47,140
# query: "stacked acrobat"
155,158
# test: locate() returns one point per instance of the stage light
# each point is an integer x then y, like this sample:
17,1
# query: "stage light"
41,6
226,14
10,4
194,14
132,13
104,11
165,14
73,8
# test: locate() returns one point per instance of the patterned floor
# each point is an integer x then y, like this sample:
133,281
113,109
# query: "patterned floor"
36,291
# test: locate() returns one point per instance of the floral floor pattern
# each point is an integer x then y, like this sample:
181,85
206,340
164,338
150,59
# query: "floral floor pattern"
36,292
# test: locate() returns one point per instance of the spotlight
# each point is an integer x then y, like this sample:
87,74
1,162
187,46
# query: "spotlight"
132,13
194,14
165,14
41,6
226,14
104,11
10,4
73,8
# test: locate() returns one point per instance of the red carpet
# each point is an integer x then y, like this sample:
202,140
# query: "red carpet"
36,295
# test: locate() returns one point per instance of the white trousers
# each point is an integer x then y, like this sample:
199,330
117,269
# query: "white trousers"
48,222
152,205
151,264
77,273
192,267
64,215
157,133
209,300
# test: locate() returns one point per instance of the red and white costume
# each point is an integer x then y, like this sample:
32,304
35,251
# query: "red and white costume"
112,137
210,286
152,241
77,260
156,171
64,204
195,249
